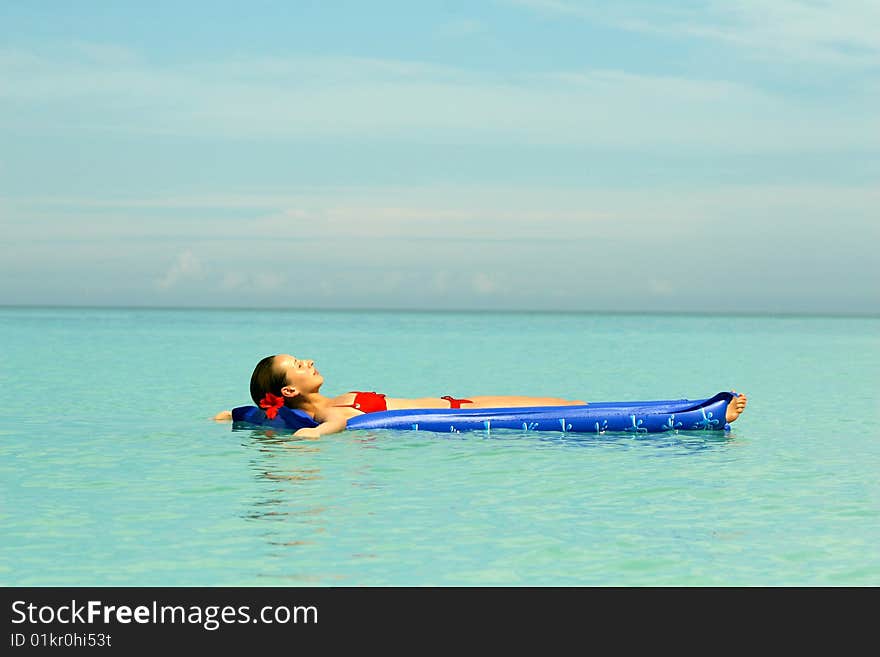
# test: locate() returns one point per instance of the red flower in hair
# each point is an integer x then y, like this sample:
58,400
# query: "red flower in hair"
270,403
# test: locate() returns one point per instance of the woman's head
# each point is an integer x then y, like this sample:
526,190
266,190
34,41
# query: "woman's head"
286,376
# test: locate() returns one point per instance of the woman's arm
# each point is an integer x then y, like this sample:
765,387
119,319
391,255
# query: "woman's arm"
332,420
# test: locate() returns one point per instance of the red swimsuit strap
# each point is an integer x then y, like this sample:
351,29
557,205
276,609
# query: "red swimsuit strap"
456,403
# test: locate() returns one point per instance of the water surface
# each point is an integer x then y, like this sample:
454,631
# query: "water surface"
112,473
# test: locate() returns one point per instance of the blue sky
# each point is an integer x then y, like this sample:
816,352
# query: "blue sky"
519,154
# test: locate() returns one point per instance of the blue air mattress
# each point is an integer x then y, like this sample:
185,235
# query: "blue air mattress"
597,417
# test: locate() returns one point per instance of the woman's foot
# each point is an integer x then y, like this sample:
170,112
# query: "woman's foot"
736,406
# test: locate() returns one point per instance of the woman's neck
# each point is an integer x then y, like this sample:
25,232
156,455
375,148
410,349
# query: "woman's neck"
312,402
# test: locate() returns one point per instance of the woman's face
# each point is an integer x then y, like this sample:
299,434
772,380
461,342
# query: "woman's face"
302,377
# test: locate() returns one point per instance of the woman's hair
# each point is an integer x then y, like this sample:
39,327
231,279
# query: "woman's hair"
266,378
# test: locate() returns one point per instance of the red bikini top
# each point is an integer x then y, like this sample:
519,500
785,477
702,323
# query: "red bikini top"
367,402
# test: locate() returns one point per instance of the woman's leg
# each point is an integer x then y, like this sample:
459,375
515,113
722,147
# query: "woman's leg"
508,401
481,401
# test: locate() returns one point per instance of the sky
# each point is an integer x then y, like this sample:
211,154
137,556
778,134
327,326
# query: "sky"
484,155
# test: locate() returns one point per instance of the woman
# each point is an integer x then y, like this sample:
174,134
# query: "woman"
283,380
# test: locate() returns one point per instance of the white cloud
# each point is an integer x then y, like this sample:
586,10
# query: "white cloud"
186,267
483,283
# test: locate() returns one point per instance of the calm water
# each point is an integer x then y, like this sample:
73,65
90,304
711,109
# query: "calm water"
112,473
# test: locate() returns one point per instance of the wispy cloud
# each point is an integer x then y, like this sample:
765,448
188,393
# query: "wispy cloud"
842,32
462,28
247,281
557,153
343,98
437,212
463,247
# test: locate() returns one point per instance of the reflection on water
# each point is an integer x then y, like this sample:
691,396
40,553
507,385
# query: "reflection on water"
298,484
687,441
285,490
371,438
316,502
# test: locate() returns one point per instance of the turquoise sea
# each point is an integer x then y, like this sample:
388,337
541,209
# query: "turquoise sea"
112,472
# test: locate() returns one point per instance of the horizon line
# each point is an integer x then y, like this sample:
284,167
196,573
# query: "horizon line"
471,311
